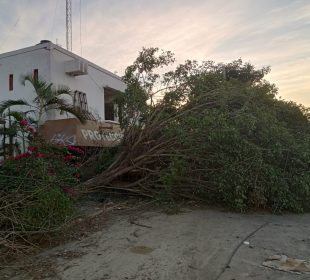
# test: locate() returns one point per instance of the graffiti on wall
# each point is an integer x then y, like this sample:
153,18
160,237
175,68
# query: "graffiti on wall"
63,139
112,137
88,134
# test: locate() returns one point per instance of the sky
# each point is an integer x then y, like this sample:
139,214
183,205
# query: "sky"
110,33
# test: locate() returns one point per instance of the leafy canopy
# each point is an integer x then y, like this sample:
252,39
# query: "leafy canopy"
216,133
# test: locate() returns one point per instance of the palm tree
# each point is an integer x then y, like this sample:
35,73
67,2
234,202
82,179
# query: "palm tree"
47,98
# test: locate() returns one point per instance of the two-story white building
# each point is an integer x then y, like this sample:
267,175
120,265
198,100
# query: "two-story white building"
93,87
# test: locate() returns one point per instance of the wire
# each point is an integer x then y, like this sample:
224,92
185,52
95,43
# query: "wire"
13,27
81,27
94,81
53,25
10,33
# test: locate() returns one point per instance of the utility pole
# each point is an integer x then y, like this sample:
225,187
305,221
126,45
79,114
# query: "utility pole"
69,25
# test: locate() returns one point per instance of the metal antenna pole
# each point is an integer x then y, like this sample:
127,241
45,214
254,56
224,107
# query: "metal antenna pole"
69,25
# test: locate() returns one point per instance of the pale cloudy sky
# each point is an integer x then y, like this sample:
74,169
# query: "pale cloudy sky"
264,32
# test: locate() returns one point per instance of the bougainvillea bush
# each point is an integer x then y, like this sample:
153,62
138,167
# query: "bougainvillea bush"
16,132
38,189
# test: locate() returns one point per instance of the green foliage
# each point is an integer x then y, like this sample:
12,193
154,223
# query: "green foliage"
43,162
50,208
142,81
38,187
17,131
234,142
247,152
105,158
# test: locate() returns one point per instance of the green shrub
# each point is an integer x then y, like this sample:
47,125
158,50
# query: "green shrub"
218,134
256,154
105,158
38,187
49,208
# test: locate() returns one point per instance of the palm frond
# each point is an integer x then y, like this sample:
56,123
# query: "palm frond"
62,90
62,105
76,112
49,97
56,101
30,111
38,84
17,115
42,89
4,105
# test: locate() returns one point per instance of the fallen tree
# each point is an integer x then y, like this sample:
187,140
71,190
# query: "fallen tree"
217,134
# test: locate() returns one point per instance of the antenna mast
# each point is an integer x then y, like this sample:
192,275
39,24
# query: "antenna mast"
69,25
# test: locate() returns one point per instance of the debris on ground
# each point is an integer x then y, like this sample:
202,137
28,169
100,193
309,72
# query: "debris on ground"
284,263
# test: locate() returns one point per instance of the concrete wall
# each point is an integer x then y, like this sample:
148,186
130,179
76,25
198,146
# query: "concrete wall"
20,64
92,83
50,60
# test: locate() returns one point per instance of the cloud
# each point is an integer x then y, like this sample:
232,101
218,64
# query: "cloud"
265,32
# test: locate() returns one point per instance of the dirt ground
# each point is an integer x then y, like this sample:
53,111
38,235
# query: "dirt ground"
194,244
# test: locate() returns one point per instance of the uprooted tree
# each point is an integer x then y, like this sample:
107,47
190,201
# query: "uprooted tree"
218,134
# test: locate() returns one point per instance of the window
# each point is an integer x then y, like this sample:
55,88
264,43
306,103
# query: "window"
10,82
35,74
109,111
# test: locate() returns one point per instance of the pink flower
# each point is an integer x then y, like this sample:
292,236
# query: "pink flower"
32,149
31,129
21,156
23,122
75,149
68,158
40,155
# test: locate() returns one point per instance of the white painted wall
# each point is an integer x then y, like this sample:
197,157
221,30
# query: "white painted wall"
20,64
92,83
50,60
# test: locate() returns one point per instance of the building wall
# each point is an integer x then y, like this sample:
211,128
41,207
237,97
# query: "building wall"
50,61
21,64
92,83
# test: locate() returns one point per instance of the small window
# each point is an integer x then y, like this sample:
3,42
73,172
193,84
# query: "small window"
10,82
35,74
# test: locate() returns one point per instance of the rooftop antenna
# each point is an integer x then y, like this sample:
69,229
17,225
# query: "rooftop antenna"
69,25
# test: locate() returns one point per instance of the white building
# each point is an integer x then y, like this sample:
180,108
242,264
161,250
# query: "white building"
93,86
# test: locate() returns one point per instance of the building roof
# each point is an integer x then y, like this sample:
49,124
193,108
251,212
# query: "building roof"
45,44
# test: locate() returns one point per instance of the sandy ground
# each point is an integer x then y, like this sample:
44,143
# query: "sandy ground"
195,244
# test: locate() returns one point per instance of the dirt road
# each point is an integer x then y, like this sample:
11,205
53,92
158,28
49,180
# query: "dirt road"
195,244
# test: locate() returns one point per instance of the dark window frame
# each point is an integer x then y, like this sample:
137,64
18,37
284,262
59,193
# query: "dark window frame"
109,111
11,82
35,74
